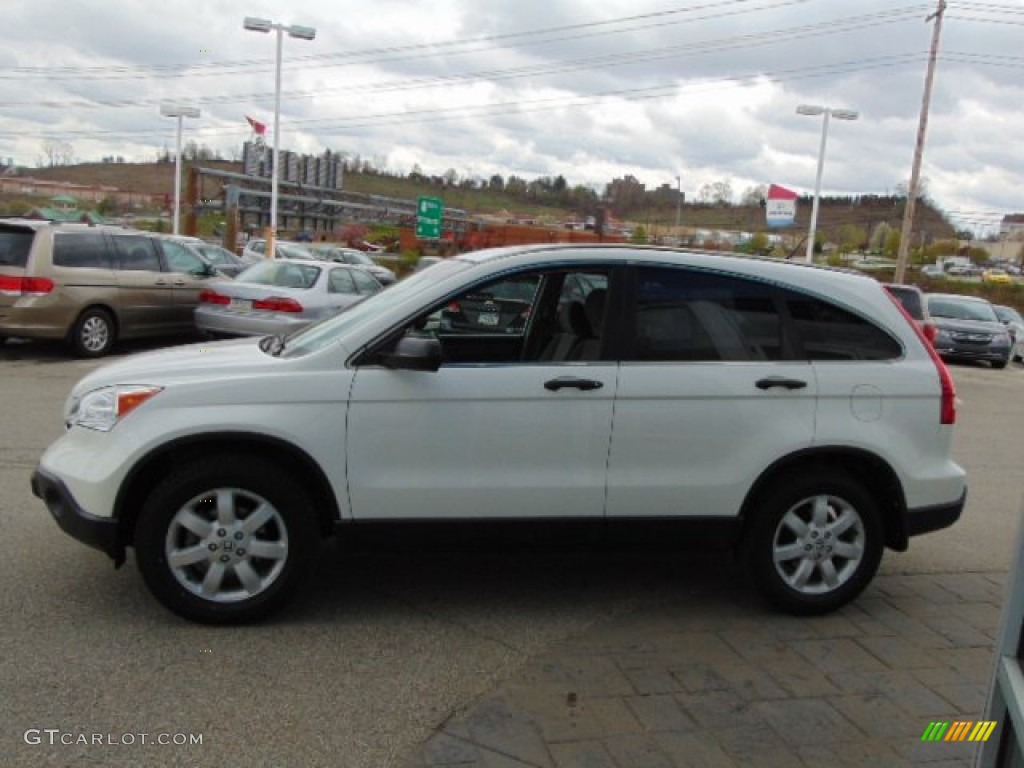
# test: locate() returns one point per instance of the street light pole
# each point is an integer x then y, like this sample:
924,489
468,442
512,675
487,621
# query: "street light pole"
679,202
180,112
302,33
827,113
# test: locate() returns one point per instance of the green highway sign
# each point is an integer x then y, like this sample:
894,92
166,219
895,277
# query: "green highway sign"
428,218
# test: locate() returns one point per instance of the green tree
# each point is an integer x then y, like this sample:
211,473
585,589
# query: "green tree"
879,237
759,243
851,237
639,235
892,243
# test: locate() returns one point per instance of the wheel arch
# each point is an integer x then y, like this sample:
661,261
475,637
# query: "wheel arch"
872,471
146,473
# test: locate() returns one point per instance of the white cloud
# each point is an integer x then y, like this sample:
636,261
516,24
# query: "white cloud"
492,87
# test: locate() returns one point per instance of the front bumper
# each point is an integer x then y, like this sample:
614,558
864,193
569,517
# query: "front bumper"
102,533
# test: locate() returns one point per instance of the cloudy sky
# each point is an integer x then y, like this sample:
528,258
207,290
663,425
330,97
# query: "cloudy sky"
703,89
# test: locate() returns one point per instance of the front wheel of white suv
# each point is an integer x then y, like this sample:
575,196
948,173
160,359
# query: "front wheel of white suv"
228,539
813,543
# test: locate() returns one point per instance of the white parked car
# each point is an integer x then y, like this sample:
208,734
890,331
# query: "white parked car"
792,412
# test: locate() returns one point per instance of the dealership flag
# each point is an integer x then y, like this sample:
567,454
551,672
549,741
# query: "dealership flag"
257,126
780,207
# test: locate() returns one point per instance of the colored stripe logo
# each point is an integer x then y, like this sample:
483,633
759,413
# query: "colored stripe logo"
959,730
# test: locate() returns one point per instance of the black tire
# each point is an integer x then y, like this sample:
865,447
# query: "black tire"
851,520
264,508
1000,364
93,334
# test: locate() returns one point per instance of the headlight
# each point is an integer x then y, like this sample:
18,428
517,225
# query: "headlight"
941,335
101,409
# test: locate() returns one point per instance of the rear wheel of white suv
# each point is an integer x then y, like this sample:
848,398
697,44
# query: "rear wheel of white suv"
228,539
813,543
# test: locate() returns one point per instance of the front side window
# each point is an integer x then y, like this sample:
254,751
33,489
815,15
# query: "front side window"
684,315
551,316
136,253
89,249
365,284
179,259
341,282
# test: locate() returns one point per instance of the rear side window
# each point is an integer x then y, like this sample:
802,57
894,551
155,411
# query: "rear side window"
137,254
341,282
14,247
690,316
829,332
89,249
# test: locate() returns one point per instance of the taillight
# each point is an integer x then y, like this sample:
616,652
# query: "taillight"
206,296
277,304
453,307
947,406
25,286
930,331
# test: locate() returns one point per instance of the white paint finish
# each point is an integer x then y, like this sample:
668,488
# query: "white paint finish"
483,441
690,438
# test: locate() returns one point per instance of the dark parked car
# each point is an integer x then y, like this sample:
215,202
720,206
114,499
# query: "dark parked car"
1014,323
912,300
968,328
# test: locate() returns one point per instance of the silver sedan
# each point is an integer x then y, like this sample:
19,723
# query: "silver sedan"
280,296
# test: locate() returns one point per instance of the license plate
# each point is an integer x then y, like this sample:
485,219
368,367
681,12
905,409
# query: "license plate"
243,304
487,319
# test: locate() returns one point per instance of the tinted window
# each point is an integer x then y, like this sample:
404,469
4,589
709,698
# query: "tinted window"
14,247
829,332
179,258
684,315
341,282
88,249
365,283
136,253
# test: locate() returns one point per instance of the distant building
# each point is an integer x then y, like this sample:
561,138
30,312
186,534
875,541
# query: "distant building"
1012,226
30,187
65,208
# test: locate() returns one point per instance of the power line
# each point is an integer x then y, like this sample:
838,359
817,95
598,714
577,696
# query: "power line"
741,42
430,50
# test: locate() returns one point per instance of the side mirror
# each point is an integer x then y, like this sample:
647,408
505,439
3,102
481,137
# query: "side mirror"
413,353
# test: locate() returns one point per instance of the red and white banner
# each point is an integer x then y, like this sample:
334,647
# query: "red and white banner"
780,206
258,128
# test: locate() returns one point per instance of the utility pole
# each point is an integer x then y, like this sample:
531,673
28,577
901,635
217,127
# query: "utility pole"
922,128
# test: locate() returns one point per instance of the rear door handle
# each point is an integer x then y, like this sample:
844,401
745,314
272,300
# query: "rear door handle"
571,382
780,381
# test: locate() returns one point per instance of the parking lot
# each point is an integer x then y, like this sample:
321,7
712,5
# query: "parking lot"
553,659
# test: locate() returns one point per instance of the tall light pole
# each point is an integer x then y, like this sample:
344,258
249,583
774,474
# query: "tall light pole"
679,204
179,111
826,113
302,33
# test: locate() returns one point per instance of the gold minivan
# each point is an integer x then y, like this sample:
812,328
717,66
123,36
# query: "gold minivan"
94,285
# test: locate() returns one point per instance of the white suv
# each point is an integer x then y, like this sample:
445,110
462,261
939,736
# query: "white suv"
792,412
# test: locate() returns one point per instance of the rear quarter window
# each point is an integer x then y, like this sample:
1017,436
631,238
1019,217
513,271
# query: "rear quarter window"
828,332
14,246
85,250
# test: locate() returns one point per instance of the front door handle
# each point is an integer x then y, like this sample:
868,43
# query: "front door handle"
780,381
571,382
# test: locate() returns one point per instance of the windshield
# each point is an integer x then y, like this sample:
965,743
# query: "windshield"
955,309
281,274
322,334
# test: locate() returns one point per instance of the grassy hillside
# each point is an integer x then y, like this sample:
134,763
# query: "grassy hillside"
866,212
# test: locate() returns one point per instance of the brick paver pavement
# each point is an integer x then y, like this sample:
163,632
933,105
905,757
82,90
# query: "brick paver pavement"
709,677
